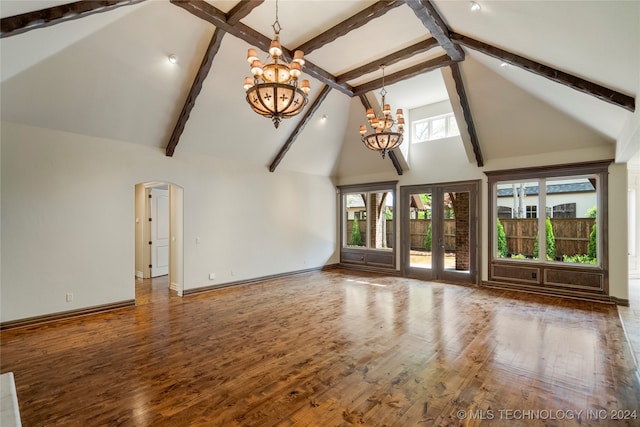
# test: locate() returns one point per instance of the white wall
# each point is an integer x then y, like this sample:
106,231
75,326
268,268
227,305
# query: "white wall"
68,219
634,232
618,236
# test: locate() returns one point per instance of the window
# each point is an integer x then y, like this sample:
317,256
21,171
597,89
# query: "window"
532,211
517,205
434,128
568,227
380,205
368,224
564,248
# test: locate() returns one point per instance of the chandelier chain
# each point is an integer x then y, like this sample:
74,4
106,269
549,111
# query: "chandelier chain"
276,25
383,91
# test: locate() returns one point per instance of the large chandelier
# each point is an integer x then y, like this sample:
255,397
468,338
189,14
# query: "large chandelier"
273,91
383,139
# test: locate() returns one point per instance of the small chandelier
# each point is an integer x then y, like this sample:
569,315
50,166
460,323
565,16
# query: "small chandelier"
383,139
273,91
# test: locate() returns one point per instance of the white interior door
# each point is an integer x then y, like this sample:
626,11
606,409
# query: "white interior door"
159,232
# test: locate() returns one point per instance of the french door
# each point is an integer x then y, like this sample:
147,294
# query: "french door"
439,231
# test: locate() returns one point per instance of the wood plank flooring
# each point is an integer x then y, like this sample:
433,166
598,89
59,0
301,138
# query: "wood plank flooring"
333,348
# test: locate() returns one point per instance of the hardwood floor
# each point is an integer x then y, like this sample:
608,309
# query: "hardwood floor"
333,348
630,317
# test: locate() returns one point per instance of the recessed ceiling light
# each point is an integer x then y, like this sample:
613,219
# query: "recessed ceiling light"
475,6
173,58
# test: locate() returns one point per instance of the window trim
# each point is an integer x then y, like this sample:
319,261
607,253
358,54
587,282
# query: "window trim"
371,257
447,116
543,275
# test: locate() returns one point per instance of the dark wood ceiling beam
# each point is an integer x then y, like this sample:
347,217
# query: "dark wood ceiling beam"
356,21
430,65
300,126
466,111
242,9
431,19
196,87
234,16
392,155
398,56
396,162
218,18
603,93
18,24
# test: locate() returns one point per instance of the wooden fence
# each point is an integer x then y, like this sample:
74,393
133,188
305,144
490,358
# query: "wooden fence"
571,234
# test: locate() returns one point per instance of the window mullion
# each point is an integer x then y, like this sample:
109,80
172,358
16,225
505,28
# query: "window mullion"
542,219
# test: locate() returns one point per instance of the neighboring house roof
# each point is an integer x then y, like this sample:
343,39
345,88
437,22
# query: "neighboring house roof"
577,187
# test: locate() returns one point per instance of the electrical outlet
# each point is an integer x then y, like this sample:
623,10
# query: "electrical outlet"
69,297
534,275
212,276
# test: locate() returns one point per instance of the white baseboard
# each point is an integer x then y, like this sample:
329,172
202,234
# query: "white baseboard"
176,287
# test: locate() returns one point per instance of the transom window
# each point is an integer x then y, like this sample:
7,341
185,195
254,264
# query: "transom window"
434,128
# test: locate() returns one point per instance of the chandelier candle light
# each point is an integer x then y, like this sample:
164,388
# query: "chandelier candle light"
383,139
273,91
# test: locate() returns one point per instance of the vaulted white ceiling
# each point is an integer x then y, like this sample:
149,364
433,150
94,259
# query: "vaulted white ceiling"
107,75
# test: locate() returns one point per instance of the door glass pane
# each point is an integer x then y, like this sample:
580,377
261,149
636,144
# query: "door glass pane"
356,219
517,223
456,228
571,234
420,230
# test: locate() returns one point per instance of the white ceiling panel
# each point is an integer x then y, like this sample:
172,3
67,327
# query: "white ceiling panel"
107,75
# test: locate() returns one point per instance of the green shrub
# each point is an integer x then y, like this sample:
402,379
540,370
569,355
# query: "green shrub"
593,245
550,240
518,256
580,259
427,240
502,241
356,237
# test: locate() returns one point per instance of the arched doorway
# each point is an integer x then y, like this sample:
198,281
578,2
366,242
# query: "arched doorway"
159,245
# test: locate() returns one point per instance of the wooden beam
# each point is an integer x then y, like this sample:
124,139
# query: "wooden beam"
18,24
398,56
361,18
365,101
603,93
196,87
234,16
418,69
242,9
218,18
395,161
392,156
466,111
431,19
303,122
